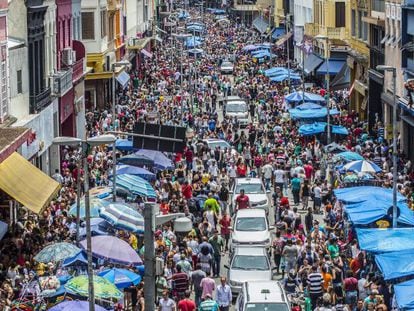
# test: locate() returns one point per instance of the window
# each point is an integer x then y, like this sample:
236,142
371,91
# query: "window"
365,28
339,14
103,23
111,35
88,26
19,82
378,5
353,23
360,24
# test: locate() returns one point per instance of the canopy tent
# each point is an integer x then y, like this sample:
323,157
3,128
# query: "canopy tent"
404,295
331,66
283,77
250,47
364,193
367,212
395,264
385,240
307,97
196,28
274,70
306,106
124,145
262,54
26,183
311,113
321,127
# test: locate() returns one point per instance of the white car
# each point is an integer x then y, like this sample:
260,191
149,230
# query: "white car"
262,295
237,109
248,264
251,227
254,189
226,67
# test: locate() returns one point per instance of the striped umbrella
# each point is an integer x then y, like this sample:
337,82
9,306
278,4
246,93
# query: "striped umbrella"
95,205
135,185
363,166
100,192
103,289
123,217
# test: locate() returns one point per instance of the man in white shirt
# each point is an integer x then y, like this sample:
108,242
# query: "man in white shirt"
166,303
223,295
279,178
267,171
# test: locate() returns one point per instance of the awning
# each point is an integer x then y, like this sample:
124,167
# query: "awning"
146,53
260,24
311,63
342,79
283,39
26,183
123,79
277,32
334,66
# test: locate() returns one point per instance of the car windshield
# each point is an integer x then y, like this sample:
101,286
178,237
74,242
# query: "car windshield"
250,188
236,108
266,306
251,224
222,144
250,263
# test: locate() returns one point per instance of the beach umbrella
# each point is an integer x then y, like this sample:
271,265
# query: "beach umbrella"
123,217
351,178
80,259
136,185
121,277
103,289
113,249
100,192
195,51
363,166
78,305
134,170
3,229
56,252
98,227
136,160
95,205
159,159
124,144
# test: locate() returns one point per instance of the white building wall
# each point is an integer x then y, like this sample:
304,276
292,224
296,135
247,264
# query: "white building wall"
50,40
98,45
303,14
131,18
19,102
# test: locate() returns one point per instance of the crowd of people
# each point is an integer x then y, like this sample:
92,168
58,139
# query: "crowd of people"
314,248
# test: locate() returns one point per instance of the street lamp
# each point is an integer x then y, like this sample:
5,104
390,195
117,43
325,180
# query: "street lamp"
327,76
114,118
394,141
93,141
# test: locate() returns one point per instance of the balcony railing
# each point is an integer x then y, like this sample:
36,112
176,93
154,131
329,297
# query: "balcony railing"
330,32
62,82
39,101
78,69
245,7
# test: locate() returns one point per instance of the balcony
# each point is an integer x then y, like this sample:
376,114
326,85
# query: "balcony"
40,101
245,7
78,70
62,82
313,30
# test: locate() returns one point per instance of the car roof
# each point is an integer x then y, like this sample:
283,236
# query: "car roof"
250,251
248,181
264,291
249,212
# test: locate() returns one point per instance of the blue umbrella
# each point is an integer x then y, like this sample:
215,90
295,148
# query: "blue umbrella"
159,159
78,260
350,156
98,227
307,106
3,229
363,166
95,205
136,160
75,305
124,145
123,217
121,277
136,185
134,170
56,252
309,97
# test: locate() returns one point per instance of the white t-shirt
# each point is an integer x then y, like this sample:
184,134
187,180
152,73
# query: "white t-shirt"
267,171
279,176
166,304
317,191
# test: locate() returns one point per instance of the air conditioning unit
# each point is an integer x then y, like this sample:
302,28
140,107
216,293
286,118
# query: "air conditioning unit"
54,85
67,56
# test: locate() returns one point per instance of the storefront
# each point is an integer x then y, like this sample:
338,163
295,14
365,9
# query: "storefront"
67,116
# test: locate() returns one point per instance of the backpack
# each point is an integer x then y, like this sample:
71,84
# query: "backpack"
205,250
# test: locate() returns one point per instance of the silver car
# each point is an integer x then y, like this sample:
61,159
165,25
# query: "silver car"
248,264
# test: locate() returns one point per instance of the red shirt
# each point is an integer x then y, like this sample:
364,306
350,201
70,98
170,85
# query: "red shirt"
186,305
225,224
188,155
308,171
187,191
243,202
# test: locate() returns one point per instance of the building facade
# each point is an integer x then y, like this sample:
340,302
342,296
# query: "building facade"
4,85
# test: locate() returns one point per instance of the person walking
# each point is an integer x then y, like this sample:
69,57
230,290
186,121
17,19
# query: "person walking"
186,304
196,278
223,295
315,282
208,304
217,243
295,186
208,286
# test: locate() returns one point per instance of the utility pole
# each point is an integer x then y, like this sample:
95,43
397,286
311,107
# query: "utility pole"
149,257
